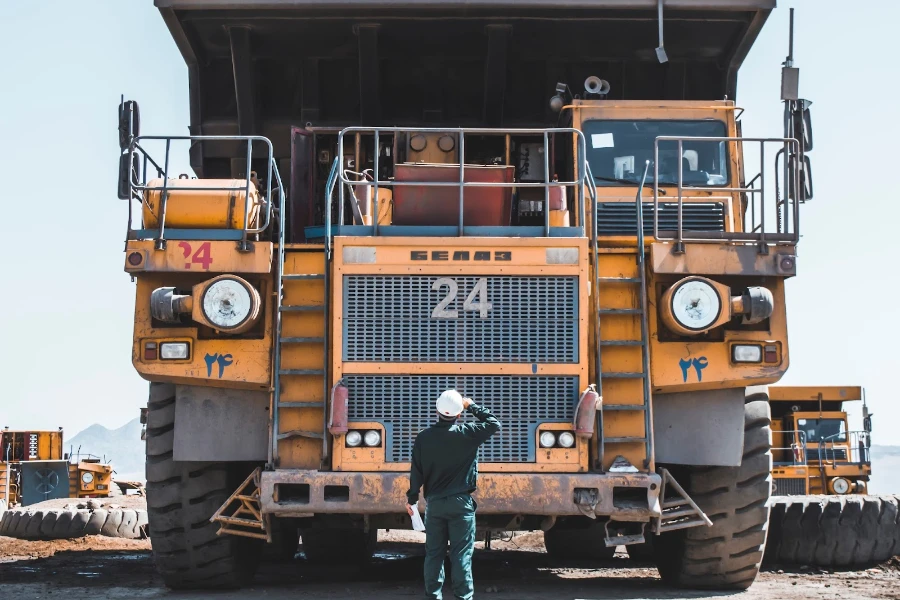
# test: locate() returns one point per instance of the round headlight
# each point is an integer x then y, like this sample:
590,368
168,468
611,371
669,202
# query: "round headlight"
695,305
372,438
566,439
228,303
354,439
840,485
547,440
87,478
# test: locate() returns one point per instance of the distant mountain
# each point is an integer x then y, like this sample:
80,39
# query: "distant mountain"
879,451
122,447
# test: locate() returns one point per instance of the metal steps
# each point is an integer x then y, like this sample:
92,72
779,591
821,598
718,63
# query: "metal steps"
618,283
300,389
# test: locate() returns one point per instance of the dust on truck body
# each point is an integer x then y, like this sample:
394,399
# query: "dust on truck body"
395,199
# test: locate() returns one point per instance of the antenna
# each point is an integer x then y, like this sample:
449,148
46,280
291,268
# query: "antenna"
790,75
661,55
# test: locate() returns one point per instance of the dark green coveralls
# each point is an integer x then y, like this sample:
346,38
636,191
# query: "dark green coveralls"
445,461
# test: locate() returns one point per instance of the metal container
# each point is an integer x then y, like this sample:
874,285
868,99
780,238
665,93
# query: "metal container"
202,208
439,205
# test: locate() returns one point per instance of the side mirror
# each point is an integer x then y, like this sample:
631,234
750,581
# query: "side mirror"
807,138
806,180
126,172
129,122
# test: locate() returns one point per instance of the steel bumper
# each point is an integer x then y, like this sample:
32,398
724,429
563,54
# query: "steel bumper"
296,492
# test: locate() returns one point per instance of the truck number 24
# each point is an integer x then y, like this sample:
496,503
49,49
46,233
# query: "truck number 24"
475,301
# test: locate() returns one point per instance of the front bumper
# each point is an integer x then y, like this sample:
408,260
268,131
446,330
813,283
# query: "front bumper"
623,496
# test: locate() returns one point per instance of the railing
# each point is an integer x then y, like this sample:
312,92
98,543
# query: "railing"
794,455
851,447
787,210
377,133
140,163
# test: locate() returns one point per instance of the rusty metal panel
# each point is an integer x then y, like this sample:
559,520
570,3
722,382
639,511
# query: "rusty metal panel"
498,493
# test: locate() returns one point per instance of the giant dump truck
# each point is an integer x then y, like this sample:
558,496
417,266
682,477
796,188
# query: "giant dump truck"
822,513
814,449
543,205
34,468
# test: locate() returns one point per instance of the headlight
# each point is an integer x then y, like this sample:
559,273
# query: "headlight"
354,439
566,439
695,304
174,350
741,353
227,304
840,485
547,439
87,478
372,438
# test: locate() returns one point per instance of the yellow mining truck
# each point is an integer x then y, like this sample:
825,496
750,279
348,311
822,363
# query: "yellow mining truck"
814,449
822,513
380,201
34,468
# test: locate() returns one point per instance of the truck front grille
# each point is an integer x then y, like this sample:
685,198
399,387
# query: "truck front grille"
388,318
789,486
405,405
618,218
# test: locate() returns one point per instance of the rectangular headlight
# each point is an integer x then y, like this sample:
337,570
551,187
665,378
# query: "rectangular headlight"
174,350
746,353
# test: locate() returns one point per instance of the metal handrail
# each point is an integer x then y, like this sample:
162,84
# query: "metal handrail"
798,442
461,183
783,233
137,188
850,443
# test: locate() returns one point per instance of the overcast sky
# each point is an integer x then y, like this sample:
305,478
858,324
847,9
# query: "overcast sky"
66,329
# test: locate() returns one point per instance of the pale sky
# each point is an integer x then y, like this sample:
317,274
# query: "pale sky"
66,331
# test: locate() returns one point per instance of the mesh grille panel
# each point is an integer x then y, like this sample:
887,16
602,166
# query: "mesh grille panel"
405,405
389,319
790,486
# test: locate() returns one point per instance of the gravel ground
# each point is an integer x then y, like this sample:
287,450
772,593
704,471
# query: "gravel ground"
518,569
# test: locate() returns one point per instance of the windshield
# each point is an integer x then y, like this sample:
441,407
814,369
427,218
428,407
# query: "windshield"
617,151
823,430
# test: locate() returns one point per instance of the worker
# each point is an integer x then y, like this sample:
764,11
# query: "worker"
445,462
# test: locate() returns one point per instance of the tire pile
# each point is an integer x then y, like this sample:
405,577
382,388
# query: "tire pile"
74,521
833,531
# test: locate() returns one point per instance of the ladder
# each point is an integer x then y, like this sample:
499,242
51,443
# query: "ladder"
300,382
623,348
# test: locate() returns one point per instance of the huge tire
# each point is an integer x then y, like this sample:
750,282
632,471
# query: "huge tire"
55,524
181,497
328,546
586,543
834,531
285,541
726,556
641,552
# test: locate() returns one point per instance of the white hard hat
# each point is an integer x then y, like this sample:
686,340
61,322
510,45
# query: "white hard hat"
450,403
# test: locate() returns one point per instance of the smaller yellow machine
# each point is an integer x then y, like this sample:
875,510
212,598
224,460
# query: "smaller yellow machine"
814,449
34,468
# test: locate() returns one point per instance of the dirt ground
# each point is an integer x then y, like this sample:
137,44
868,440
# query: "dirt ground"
517,569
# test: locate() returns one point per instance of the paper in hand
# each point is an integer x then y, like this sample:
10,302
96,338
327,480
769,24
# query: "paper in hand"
417,523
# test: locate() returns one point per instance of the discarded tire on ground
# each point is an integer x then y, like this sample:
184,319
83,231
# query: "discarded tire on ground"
585,543
833,531
726,556
56,524
181,497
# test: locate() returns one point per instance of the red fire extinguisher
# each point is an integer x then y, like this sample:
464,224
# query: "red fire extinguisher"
340,401
586,413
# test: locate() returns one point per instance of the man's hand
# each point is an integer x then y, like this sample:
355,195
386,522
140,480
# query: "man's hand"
409,509
467,402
